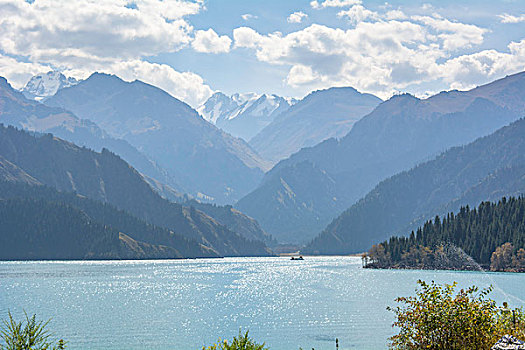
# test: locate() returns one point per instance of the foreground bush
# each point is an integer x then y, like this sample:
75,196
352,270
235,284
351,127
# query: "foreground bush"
27,335
438,319
242,342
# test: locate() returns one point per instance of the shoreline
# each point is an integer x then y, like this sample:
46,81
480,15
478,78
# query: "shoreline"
412,268
165,260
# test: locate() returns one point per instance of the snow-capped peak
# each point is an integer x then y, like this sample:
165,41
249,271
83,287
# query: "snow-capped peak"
47,84
243,114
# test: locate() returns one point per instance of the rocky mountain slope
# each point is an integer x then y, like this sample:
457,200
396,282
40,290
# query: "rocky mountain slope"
243,115
44,85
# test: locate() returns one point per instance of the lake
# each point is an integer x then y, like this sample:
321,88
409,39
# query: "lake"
185,304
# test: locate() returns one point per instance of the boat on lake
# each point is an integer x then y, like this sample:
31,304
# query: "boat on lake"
297,258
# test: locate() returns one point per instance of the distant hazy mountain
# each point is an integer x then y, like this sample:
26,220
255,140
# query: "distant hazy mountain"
490,166
243,115
319,116
207,160
106,177
47,84
18,111
396,136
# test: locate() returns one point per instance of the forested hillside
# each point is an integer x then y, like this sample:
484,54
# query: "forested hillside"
106,177
493,235
233,219
43,230
104,217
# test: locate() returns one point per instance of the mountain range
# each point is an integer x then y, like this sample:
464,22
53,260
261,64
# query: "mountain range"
303,193
139,166
204,160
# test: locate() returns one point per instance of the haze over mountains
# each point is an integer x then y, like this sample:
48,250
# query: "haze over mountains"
18,111
291,202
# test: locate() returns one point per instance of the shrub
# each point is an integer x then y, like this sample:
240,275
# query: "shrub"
242,342
28,335
438,319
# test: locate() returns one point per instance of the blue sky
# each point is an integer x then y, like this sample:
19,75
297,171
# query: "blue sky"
193,48
241,71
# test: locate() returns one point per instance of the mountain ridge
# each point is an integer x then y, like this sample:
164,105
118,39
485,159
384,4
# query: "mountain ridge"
243,115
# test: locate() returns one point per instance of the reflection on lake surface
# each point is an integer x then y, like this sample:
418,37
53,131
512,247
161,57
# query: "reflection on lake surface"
185,304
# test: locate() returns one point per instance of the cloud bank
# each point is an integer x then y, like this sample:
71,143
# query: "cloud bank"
384,52
86,35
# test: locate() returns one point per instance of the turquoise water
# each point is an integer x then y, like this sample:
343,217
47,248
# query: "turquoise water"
185,304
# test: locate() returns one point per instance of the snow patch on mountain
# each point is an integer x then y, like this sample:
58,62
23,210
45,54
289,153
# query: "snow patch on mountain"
45,85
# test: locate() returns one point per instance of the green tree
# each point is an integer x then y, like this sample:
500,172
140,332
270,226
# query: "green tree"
436,318
27,335
493,235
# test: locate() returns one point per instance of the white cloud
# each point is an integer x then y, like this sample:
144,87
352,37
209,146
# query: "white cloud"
64,30
334,3
186,86
427,7
83,36
358,13
301,75
209,41
248,16
453,35
395,14
468,71
506,18
386,51
297,17
363,57
18,73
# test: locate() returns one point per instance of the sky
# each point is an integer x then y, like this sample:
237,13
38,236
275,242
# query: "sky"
286,47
